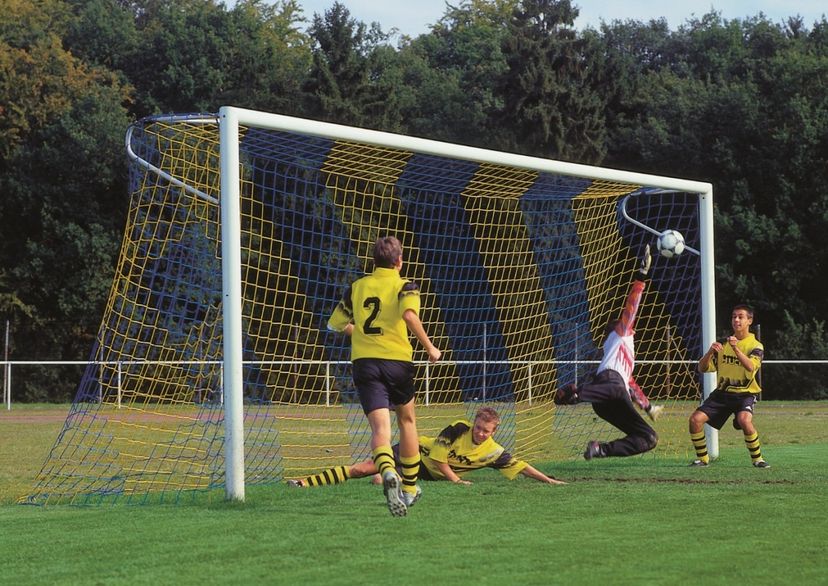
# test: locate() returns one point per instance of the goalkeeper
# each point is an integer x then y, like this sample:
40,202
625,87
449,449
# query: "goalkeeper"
612,390
457,450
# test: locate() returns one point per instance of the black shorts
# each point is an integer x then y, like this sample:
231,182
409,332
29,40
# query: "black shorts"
383,384
720,405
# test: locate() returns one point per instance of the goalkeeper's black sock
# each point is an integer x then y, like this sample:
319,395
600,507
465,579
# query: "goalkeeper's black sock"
700,445
754,447
410,469
383,459
333,475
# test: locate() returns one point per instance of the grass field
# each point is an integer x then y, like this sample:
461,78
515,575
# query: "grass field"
621,521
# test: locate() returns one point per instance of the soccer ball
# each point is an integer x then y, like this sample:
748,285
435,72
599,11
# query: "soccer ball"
670,243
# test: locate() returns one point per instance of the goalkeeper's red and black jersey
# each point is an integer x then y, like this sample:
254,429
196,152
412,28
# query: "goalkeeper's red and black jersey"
455,447
375,305
732,376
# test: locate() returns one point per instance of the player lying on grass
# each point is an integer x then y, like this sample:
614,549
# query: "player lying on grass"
458,449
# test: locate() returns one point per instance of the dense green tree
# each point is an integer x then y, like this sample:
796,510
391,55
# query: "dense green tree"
62,179
183,55
102,32
629,53
550,106
739,103
268,57
338,86
742,104
450,73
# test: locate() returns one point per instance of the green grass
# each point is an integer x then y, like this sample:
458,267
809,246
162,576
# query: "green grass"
619,521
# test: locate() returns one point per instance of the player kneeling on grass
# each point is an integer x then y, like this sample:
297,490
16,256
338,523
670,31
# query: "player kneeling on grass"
736,361
612,389
458,449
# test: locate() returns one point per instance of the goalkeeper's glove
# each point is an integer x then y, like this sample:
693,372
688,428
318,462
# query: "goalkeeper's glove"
646,261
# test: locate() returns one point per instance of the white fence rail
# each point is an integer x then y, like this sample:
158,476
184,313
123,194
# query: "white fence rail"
8,365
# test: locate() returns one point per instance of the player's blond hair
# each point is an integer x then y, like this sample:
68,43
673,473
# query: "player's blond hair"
488,415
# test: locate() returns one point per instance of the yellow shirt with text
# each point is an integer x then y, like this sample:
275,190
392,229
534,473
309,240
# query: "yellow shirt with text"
732,376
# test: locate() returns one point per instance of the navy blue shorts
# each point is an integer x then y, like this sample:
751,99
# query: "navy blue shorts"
720,405
383,384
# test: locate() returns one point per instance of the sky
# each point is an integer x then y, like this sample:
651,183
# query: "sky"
413,17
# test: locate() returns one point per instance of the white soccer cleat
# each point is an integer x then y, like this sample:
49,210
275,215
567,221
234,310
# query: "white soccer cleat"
393,494
409,498
655,411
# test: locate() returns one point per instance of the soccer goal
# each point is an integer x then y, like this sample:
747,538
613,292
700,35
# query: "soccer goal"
213,367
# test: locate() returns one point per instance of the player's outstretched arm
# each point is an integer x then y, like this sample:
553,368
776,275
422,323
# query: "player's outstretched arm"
533,472
412,320
450,475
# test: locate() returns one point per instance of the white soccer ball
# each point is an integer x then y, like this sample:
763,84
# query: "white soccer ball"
670,243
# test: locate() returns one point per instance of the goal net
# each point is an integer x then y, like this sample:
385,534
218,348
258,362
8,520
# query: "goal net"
521,263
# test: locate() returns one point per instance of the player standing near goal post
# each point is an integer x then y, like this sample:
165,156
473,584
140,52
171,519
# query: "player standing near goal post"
737,362
612,390
377,311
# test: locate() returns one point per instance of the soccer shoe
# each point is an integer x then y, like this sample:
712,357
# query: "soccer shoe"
295,483
761,464
566,395
409,498
698,464
393,494
654,412
593,450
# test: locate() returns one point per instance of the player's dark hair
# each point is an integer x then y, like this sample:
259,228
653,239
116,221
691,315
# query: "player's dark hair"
610,326
387,251
748,309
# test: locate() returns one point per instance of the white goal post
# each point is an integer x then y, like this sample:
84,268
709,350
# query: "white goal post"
230,120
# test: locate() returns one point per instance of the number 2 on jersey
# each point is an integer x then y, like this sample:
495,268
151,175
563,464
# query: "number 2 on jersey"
372,303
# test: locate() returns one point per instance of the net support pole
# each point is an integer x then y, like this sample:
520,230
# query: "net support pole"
708,295
231,305
7,372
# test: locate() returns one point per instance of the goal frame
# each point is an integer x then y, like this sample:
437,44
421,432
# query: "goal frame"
231,118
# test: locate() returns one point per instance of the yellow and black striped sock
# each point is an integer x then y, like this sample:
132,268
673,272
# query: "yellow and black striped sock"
753,446
410,469
333,475
383,459
700,446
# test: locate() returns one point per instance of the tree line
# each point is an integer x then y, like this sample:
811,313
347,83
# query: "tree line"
739,103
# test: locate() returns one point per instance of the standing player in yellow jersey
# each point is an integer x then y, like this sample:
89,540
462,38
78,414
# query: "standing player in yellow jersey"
737,362
458,449
377,311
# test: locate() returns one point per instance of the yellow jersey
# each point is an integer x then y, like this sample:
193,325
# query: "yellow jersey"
375,305
454,446
732,376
